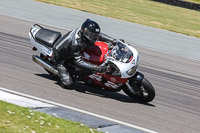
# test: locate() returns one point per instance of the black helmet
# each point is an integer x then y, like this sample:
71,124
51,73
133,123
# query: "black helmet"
90,31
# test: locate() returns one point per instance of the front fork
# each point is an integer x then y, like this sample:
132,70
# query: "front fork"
137,79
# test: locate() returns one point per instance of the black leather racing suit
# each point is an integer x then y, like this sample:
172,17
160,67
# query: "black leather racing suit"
70,47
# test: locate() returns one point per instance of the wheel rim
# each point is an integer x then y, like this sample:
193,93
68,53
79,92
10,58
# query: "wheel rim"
142,93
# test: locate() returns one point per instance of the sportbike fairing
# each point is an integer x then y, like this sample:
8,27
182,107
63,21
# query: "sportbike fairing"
125,57
121,53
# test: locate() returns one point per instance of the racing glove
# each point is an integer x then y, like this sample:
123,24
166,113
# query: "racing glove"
114,42
122,40
99,69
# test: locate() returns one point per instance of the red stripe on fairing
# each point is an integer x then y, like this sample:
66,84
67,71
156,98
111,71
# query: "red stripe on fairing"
131,58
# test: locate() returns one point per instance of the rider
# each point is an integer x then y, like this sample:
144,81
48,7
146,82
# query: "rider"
71,45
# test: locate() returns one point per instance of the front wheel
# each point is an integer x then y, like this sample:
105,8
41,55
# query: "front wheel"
144,91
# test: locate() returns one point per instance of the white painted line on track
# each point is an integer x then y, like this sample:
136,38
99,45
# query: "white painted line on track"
78,110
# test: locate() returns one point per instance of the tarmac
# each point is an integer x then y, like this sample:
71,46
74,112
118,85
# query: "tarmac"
139,35
103,124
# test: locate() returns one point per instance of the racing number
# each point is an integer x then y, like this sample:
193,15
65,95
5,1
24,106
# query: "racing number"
111,84
99,78
96,77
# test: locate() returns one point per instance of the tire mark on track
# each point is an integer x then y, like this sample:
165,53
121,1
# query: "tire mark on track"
11,36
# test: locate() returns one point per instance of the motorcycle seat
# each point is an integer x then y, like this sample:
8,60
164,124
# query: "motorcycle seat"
47,37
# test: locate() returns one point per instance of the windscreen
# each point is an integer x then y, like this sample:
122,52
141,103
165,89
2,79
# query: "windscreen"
121,53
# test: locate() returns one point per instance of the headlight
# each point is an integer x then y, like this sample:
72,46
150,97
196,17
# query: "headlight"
132,71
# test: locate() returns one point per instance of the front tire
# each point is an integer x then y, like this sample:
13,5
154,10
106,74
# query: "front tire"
144,91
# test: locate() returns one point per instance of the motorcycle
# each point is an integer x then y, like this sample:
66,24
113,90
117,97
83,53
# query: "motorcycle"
120,63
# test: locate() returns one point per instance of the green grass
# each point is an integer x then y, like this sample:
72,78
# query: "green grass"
15,119
195,1
143,12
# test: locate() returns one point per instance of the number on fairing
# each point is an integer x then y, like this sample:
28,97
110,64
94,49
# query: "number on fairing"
111,84
99,78
96,77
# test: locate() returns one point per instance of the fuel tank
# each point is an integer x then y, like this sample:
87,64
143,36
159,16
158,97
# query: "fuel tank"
95,53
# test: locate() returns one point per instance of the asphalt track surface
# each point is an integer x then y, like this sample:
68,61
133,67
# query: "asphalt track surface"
67,18
176,107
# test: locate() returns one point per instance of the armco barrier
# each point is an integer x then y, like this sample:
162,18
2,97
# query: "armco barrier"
181,3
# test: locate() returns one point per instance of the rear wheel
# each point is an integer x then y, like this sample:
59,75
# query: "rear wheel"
144,91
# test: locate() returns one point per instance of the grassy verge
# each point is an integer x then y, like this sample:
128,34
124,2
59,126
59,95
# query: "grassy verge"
15,119
144,12
195,1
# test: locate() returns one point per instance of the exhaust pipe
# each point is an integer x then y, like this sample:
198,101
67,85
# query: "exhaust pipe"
46,66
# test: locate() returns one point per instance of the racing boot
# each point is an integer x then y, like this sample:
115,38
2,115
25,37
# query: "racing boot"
65,78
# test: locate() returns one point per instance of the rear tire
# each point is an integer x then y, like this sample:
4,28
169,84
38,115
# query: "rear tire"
144,91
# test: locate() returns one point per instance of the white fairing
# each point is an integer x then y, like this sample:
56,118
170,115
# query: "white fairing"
44,50
132,64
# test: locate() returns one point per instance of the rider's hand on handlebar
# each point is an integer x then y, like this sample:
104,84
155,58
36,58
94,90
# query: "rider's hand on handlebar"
99,69
122,40
115,41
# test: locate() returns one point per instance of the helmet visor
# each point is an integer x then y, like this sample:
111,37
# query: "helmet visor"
93,37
